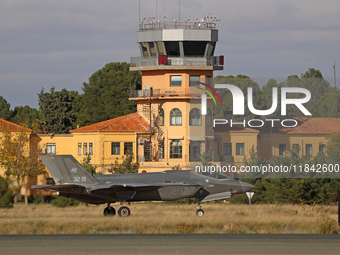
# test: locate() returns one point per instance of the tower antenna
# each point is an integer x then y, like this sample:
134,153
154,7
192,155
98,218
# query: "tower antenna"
179,11
336,98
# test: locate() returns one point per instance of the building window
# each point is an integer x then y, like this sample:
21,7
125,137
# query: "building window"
240,149
296,148
195,151
227,151
50,148
176,80
322,148
161,117
208,117
282,149
194,80
309,149
85,148
208,80
195,117
79,149
161,149
175,117
90,148
147,151
127,148
115,148
176,149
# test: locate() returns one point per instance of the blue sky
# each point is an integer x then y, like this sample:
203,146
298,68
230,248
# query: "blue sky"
61,43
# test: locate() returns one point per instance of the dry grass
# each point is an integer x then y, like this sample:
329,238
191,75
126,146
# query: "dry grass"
163,218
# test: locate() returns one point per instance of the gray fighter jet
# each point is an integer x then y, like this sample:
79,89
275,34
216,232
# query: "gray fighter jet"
73,181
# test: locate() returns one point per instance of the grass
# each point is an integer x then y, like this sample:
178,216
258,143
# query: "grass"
159,218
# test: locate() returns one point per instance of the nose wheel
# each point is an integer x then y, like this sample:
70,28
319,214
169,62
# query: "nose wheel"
199,211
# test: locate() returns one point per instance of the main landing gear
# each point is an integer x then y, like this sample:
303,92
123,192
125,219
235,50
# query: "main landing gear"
199,211
123,211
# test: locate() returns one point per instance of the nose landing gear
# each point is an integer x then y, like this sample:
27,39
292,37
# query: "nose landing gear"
199,211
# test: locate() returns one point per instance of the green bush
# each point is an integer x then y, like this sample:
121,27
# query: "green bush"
6,194
64,202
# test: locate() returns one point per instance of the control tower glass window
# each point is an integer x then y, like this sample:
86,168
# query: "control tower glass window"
160,48
211,48
152,49
194,48
144,49
176,80
172,49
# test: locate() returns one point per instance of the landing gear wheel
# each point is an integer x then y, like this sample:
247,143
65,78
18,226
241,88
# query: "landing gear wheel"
109,211
124,211
200,212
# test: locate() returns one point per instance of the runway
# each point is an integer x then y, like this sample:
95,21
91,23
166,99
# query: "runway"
170,244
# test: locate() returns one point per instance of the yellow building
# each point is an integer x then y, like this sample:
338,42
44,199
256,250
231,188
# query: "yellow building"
105,142
309,137
6,126
22,143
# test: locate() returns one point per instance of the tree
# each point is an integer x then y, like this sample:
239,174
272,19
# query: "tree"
243,82
57,110
19,156
106,95
5,112
325,106
127,166
313,81
24,114
267,95
333,147
6,194
88,166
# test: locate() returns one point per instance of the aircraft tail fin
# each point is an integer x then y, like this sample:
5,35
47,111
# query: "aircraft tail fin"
65,169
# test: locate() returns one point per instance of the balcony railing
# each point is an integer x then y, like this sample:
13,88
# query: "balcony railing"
216,62
197,24
157,93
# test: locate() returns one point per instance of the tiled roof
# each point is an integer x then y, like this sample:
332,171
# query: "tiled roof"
234,129
307,126
12,127
133,122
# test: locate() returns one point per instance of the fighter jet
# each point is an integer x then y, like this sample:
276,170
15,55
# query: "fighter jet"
73,181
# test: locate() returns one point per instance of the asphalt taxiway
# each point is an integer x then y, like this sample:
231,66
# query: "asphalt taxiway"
170,244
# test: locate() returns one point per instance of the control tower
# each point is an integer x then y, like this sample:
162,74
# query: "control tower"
175,59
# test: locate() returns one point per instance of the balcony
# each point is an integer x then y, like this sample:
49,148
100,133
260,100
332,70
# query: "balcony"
162,93
209,63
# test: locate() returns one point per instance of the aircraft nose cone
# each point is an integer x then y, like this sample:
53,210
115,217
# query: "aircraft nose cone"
246,186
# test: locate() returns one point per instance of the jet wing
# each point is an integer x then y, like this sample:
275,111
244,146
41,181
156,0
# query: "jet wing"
63,188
